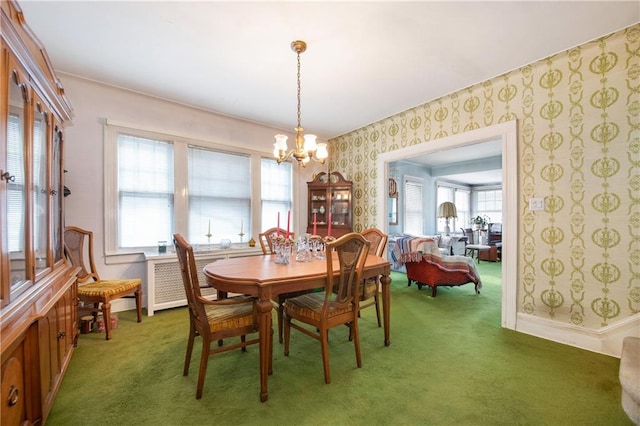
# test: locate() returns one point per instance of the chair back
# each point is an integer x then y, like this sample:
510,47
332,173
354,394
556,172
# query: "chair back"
351,250
184,250
77,252
265,239
377,238
468,232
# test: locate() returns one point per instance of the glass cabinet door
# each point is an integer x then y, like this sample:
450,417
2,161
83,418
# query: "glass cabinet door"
57,193
340,207
40,194
16,185
318,207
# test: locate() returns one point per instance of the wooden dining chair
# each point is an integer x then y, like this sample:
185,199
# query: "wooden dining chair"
370,293
213,320
95,293
338,305
266,243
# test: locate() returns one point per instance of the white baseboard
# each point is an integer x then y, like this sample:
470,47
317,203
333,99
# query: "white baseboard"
607,340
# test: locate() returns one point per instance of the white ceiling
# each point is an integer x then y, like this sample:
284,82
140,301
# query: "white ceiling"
365,60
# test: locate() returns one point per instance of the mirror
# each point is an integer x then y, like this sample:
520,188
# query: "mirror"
392,204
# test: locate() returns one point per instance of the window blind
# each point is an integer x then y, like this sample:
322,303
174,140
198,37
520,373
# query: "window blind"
219,195
145,191
413,207
276,192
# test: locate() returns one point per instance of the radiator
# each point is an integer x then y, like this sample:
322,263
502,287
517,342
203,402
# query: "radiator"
164,281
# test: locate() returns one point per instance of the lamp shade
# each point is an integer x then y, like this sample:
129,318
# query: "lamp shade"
447,210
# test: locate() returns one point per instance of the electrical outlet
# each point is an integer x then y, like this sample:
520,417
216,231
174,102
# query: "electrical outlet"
536,204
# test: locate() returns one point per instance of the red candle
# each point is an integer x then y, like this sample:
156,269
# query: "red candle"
314,224
288,220
329,230
278,229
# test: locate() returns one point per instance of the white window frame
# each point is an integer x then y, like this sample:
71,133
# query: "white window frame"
181,143
495,215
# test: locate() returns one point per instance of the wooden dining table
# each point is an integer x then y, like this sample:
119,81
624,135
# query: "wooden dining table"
261,277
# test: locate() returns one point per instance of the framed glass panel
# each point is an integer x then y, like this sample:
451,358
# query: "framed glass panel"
16,191
40,190
57,194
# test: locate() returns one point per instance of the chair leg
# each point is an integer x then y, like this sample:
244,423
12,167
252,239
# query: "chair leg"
204,359
138,294
192,338
324,344
106,316
287,334
280,315
243,339
271,352
376,300
356,341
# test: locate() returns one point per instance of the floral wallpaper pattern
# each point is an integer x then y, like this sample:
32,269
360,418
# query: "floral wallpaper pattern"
578,115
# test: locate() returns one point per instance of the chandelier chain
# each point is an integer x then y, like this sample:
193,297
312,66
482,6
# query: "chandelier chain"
298,88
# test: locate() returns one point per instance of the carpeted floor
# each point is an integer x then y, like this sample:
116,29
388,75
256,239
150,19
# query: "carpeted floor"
449,362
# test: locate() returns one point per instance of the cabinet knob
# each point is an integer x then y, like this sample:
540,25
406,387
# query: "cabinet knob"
54,192
14,394
61,334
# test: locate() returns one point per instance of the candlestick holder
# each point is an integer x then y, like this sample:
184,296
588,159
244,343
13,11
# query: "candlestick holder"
241,234
208,235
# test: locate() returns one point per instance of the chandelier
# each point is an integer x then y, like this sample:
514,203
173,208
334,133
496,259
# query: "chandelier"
306,147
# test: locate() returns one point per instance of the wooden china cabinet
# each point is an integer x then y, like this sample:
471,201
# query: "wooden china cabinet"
38,301
330,198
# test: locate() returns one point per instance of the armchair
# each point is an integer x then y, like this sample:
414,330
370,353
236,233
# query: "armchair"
427,267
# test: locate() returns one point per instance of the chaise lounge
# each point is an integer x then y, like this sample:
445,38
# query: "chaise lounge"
426,266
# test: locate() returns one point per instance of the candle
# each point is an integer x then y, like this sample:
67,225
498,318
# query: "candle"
241,223
329,230
209,230
314,224
288,220
278,227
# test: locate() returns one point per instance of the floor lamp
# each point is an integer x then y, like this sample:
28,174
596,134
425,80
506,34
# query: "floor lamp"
447,210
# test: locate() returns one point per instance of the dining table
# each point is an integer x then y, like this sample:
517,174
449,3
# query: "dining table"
264,279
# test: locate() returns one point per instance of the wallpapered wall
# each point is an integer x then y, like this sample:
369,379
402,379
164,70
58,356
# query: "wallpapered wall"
579,148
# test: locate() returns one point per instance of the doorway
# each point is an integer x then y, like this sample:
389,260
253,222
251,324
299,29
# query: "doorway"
507,134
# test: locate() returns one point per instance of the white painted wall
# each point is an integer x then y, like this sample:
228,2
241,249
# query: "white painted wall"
93,103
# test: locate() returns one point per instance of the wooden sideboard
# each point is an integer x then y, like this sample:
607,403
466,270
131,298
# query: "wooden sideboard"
38,289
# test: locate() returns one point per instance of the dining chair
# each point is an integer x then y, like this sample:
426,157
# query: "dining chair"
267,248
95,293
266,242
338,305
213,320
370,292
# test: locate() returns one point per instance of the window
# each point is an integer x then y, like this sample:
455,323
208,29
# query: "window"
276,191
145,191
219,195
461,197
413,206
158,184
489,203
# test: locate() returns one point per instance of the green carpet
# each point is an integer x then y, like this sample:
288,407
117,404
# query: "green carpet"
449,363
